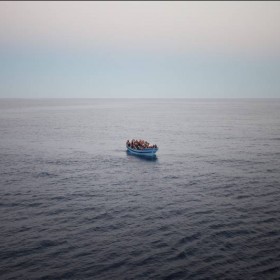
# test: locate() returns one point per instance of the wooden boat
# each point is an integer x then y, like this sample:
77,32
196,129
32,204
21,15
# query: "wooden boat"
150,152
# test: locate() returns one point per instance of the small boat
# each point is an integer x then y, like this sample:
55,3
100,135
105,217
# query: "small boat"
149,152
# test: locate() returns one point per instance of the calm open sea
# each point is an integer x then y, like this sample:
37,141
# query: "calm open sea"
75,205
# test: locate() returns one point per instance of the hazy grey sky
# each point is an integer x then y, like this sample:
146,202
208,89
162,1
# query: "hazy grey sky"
139,49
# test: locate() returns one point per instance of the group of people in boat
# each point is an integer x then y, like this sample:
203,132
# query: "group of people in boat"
140,144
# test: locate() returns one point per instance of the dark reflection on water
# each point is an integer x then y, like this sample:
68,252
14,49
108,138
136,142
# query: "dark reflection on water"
75,205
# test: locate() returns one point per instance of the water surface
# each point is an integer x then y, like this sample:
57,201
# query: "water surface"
75,205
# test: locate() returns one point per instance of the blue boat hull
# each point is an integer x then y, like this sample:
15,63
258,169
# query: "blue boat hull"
145,152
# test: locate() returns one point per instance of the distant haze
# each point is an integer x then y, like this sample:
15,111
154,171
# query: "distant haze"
140,49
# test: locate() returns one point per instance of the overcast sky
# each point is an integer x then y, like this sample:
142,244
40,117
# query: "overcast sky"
140,49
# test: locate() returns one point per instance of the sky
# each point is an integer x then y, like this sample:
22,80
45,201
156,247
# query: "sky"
161,49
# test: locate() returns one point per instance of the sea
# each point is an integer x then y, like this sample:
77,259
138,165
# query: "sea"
75,205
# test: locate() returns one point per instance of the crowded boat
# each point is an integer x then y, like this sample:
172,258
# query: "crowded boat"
140,144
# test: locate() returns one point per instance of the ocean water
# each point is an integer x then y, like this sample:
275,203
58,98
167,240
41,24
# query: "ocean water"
75,205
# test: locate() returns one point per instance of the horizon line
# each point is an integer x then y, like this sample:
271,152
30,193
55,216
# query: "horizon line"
41,98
